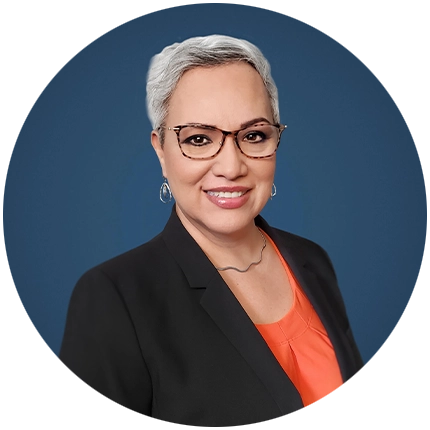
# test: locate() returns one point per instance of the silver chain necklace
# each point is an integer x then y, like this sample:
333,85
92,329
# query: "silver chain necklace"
254,263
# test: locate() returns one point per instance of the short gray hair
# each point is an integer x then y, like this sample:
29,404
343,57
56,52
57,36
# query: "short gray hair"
167,67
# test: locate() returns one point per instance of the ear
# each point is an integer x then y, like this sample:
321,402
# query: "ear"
158,148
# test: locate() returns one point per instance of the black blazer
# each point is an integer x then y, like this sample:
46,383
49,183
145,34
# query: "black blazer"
157,330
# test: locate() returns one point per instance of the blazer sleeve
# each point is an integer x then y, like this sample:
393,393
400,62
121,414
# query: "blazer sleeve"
100,344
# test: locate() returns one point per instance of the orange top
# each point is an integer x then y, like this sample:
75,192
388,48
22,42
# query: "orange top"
300,343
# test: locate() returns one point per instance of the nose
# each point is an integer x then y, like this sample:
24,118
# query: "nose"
230,162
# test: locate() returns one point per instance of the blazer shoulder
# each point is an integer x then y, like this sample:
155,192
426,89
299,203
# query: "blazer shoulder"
303,245
143,257
312,256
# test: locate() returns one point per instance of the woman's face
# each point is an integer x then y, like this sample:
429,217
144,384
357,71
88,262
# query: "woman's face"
225,97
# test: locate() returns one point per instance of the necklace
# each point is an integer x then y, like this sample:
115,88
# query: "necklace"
254,263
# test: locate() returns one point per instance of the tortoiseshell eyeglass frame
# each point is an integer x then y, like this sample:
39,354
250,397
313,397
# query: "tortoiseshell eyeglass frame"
177,129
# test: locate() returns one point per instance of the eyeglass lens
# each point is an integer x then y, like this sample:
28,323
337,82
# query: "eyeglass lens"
260,140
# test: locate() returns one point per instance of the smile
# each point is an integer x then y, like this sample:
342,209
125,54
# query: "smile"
226,194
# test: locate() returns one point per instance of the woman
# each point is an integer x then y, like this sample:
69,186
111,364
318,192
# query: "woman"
221,319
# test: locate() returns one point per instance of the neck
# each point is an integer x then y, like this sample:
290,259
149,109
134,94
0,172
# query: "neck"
229,247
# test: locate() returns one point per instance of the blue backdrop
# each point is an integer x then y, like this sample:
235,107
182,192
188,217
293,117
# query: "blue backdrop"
83,180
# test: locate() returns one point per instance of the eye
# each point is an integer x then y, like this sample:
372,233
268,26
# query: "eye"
197,140
254,136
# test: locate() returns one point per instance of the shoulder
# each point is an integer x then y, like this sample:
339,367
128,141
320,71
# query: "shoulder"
146,251
302,252
121,293
126,276
302,248
287,238
308,248
299,241
313,257
143,258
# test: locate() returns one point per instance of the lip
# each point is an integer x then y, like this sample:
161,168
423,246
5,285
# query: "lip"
228,197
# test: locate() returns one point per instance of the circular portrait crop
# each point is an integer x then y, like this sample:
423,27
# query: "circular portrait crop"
212,225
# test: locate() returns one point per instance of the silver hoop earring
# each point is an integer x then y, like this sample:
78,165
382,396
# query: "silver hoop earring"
165,192
273,193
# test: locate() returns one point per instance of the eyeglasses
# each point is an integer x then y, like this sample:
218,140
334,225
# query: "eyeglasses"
202,142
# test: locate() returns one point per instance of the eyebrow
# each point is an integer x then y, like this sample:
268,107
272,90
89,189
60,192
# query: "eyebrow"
243,125
254,121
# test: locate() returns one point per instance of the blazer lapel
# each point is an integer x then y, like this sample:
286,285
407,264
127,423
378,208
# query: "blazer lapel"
224,309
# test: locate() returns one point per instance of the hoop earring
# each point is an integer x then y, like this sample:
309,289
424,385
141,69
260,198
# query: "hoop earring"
273,193
165,192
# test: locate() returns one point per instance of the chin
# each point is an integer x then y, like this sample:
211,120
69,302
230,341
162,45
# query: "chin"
228,224
219,221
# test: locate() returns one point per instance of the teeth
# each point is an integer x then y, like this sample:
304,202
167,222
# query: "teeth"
226,194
